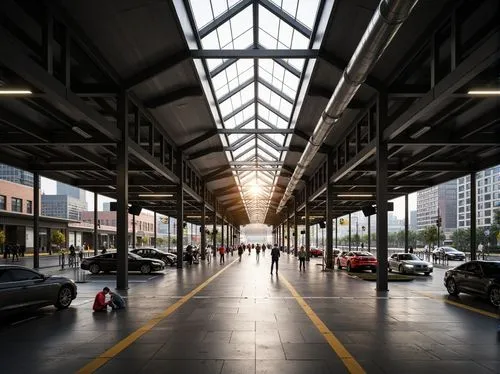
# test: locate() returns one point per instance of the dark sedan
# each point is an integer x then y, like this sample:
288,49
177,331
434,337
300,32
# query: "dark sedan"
168,258
481,278
448,253
24,288
109,262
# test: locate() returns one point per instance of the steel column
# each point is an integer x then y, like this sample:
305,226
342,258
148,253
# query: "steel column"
133,231
287,230
122,194
336,233
329,210
473,221
36,220
369,233
168,235
381,160
222,233
406,223
95,242
350,230
214,229
296,237
308,226
179,166
155,228
203,243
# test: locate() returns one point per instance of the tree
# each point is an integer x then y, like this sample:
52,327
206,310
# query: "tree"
495,227
145,240
430,235
57,238
461,239
2,238
160,241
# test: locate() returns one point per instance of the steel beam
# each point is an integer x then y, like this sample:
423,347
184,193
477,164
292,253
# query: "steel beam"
223,18
152,162
199,139
285,17
254,53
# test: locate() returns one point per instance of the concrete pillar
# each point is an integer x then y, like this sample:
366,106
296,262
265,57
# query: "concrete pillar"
122,193
36,220
179,171
381,161
95,242
473,220
406,223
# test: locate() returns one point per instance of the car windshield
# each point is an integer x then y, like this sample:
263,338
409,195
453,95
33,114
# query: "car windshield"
491,269
408,257
363,254
449,249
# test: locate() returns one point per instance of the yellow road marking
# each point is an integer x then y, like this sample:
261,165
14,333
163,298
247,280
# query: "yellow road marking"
102,359
460,305
349,361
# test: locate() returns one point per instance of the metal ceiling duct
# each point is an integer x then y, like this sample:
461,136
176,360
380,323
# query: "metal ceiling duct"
385,23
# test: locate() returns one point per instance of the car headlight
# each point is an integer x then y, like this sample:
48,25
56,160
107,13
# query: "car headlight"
408,266
430,265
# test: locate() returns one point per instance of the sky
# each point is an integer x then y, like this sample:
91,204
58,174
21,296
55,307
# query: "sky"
48,187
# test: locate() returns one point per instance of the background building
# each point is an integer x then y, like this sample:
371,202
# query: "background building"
71,191
413,220
15,175
487,197
442,197
63,206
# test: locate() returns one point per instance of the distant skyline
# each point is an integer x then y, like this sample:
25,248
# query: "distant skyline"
48,186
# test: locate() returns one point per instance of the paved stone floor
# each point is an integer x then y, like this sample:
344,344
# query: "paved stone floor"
247,321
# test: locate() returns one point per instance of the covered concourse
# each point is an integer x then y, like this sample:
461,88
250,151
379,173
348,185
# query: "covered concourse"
223,113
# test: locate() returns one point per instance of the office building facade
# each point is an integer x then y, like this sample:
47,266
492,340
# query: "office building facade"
442,198
71,191
487,197
63,206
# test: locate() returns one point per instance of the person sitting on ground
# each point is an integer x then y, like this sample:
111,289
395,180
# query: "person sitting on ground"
117,301
100,303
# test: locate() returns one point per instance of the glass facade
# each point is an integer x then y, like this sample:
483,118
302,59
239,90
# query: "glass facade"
256,93
62,206
15,175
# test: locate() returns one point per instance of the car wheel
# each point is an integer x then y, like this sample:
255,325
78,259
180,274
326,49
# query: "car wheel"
95,269
427,274
145,269
451,287
494,296
64,298
339,266
349,267
402,269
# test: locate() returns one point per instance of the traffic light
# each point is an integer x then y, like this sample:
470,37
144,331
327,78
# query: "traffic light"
438,222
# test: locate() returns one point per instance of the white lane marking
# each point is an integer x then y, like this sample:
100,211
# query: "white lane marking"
23,320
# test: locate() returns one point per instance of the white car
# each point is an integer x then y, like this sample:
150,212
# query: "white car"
409,263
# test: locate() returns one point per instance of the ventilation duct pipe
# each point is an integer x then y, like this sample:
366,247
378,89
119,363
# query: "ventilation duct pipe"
384,24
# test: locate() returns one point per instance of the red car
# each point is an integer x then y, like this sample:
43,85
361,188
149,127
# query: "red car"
357,260
316,252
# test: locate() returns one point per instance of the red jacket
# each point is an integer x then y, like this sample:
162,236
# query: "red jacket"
221,250
100,301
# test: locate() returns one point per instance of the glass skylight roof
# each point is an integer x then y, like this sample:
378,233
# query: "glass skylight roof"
255,93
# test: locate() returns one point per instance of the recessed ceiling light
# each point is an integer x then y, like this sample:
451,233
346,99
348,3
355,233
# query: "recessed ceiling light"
484,92
5,91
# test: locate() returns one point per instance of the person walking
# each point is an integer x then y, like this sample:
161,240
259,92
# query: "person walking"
257,251
221,254
15,252
275,257
240,251
302,258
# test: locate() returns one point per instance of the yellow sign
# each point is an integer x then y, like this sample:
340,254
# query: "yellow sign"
344,221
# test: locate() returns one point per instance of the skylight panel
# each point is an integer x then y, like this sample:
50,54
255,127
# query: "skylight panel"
232,138
262,125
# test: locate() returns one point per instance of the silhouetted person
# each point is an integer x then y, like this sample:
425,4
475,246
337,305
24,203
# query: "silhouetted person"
411,249
302,258
275,257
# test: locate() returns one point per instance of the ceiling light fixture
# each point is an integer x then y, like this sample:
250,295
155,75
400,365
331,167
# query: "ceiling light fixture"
14,92
484,92
355,195
155,195
80,132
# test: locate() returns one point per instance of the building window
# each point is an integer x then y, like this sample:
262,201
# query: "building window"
17,205
29,206
3,202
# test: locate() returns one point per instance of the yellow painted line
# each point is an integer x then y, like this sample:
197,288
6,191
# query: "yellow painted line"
348,360
460,305
102,359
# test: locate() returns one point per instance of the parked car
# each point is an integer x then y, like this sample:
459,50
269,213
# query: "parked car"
316,252
169,259
24,288
409,263
357,260
447,253
481,278
109,262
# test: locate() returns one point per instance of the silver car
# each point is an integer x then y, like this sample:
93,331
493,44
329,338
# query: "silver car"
409,263
24,288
